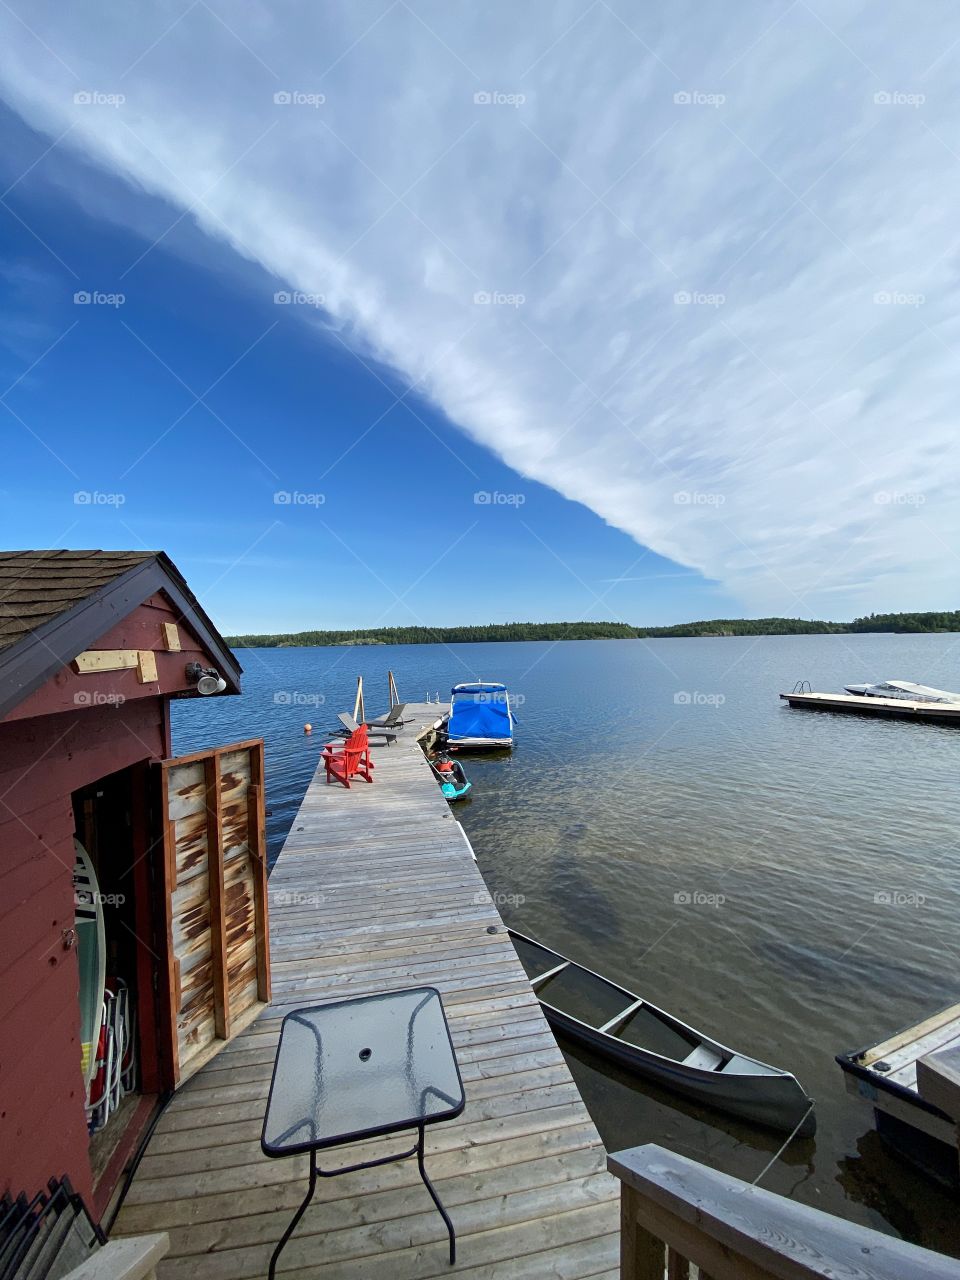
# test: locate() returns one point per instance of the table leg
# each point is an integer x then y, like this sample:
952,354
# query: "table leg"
299,1214
436,1199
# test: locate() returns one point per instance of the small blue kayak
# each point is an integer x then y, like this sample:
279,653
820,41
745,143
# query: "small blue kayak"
454,782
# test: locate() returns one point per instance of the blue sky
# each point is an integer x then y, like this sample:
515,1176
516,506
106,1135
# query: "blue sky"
111,410
677,294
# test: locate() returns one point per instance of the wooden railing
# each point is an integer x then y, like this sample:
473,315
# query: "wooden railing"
675,1212
126,1258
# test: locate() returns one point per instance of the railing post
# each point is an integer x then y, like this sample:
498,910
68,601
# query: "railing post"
642,1255
730,1230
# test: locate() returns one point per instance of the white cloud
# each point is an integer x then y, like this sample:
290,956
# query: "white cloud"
719,243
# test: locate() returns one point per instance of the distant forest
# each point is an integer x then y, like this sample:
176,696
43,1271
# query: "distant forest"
894,622
899,622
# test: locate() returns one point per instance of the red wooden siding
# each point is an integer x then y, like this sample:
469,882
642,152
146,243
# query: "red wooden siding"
141,629
42,761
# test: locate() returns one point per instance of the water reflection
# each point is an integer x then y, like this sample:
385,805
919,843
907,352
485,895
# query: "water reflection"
738,864
832,966
899,1197
571,884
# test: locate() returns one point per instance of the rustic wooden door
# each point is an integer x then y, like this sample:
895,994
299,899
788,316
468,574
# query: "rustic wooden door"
215,899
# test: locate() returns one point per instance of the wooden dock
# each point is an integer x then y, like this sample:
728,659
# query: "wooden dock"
890,708
376,889
913,1076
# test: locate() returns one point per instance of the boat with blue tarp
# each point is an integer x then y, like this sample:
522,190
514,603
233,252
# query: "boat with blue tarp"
480,716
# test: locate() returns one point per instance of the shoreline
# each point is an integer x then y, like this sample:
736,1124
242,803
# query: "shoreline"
266,642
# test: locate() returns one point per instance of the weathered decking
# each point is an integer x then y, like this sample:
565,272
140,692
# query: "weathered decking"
911,1071
895,708
376,889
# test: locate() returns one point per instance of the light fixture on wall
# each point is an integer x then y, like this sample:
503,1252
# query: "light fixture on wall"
208,680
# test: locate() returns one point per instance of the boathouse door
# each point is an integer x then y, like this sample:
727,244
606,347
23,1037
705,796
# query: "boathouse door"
215,899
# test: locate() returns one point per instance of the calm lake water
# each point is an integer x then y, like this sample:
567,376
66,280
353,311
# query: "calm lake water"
665,820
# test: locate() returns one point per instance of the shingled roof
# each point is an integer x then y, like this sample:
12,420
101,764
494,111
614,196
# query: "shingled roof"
55,604
36,586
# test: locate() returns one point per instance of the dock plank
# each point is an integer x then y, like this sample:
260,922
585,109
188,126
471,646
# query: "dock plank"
375,889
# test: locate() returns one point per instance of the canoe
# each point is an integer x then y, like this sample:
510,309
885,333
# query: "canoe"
636,1034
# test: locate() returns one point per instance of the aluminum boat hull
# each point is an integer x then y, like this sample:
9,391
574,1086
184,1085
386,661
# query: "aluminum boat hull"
745,1087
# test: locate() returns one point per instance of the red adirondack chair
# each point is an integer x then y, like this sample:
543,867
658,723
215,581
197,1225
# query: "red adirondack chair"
352,760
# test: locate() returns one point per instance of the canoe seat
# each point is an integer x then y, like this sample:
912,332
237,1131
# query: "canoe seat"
704,1058
745,1067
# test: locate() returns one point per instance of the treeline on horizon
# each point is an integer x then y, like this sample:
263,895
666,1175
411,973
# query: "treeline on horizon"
891,622
445,635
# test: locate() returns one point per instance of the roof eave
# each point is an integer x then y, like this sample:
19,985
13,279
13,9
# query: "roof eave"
31,661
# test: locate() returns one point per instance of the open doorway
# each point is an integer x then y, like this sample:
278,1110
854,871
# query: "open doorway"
171,932
117,952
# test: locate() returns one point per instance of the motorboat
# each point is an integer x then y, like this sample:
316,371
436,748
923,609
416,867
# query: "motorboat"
480,716
903,689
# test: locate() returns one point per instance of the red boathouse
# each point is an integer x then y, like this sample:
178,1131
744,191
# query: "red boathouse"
93,646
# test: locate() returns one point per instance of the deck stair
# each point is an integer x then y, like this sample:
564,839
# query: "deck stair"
46,1236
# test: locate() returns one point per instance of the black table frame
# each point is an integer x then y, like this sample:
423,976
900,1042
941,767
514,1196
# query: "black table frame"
361,1135
317,1172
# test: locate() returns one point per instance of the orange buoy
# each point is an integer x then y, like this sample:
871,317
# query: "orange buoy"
308,728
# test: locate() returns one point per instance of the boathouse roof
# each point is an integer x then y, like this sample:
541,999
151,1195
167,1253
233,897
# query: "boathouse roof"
54,604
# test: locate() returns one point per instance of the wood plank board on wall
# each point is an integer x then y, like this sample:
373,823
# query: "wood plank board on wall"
217,939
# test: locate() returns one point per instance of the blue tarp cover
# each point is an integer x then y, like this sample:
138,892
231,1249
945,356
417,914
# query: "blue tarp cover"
479,711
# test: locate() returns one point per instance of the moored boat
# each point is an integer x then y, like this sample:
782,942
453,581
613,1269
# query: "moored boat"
912,1081
625,1027
451,775
904,689
480,716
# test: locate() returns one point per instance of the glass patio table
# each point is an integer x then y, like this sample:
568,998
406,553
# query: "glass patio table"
355,1069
